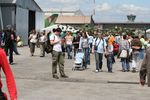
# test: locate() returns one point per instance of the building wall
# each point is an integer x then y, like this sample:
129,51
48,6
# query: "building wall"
8,15
39,20
22,23
28,4
124,25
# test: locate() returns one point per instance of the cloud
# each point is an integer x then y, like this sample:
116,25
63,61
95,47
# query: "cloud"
60,4
68,1
133,9
63,1
103,7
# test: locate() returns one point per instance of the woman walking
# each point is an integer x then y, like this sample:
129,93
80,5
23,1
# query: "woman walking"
33,40
124,46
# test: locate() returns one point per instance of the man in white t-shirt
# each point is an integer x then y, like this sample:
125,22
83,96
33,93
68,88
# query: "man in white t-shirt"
57,54
99,48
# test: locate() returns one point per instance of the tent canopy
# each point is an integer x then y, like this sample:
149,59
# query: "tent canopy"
148,31
63,28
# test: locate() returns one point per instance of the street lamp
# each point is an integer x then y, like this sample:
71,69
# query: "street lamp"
145,33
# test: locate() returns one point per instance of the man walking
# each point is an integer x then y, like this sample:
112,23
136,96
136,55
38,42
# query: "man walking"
57,54
9,37
99,48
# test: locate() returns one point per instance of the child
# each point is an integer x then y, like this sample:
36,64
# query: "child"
109,56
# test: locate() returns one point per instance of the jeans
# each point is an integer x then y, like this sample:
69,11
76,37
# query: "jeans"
98,59
109,62
9,52
86,56
58,59
42,48
15,48
135,60
32,48
69,51
125,64
142,53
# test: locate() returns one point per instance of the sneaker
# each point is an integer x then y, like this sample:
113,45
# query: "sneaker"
64,76
110,72
100,70
96,71
11,63
128,70
133,71
55,76
123,70
17,53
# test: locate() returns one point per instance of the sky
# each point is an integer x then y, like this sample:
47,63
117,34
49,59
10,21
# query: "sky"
103,10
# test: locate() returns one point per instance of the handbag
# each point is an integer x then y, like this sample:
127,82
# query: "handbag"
123,54
49,48
96,46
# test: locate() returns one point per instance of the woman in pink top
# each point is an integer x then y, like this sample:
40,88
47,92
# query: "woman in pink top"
69,39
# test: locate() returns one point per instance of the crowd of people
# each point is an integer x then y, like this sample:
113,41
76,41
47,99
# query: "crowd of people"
130,49
133,47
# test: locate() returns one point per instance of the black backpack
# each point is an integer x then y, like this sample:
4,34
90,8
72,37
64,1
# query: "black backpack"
49,46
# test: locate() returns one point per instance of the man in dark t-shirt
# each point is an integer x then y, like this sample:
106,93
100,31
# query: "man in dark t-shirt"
9,37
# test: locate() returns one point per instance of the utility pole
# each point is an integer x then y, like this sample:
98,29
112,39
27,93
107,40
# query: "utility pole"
93,7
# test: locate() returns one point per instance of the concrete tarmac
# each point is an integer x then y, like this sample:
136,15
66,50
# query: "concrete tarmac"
34,80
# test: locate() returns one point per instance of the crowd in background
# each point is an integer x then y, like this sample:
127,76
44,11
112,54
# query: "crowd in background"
99,44
128,48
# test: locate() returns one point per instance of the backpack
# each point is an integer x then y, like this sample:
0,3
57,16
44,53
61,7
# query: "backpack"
49,46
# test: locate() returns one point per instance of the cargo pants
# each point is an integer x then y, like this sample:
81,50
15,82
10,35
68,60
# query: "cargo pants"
58,59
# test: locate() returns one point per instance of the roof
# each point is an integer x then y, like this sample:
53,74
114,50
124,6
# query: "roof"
8,1
122,22
77,12
73,20
28,4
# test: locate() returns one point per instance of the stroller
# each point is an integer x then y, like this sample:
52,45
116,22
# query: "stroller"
79,61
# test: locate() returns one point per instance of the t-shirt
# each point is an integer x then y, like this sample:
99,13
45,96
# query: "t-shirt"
33,38
56,47
110,48
111,40
90,39
43,39
124,45
69,39
101,43
143,42
84,42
